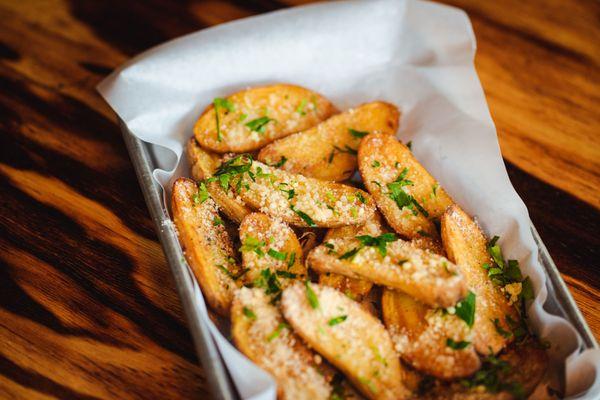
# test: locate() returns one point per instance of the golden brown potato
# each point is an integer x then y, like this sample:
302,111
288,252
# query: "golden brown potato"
270,244
422,337
203,165
301,201
356,289
248,120
466,246
207,246
260,332
407,195
328,151
347,336
428,277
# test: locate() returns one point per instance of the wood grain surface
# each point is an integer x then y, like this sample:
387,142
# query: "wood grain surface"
88,307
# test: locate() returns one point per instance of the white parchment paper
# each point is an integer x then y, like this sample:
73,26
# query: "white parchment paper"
415,54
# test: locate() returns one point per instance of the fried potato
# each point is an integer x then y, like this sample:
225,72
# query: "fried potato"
356,289
260,332
207,246
428,277
203,166
421,337
248,120
328,151
407,195
466,245
347,336
302,201
268,243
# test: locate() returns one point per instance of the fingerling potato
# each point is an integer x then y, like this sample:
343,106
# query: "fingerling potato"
428,277
207,246
328,151
260,332
407,195
436,343
466,245
349,337
249,119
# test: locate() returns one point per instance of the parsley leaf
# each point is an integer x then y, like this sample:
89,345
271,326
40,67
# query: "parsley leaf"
457,345
280,163
202,195
277,331
259,124
253,244
465,309
501,331
249,313
220,103
304,217
492,376
217,221
357,134
351,253
313,300
403,199
346,149
337,320
278,255
291,259
300,109
380,242
376,164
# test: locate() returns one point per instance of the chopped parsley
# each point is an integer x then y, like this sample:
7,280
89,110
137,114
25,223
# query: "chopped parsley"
434,189
304,217
312,298
357,134
491,376
300,109
380,242
220,103
201,195
501,331
277,331
403,199
280,163
259,124
291,193
278,255
217,221
409,145
457,345
346,149
350,254
253,244
291,259
465,309
375,164
268,281
360,197
337,320
233,168
286,274
249,313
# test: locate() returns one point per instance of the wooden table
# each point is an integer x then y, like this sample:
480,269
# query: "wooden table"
88,306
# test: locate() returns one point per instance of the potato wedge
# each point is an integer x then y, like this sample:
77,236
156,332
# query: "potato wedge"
347,336
466,245
260,332
269,244
421,337
356,289
207,246
203,165
428,277
407,195
328,151
297,200
248,120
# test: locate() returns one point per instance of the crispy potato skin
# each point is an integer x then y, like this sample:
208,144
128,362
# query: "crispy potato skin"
466,246
381,159
328,204
254,322
316,152
203,164
277,236
281,102
205,245
420,335
359,346
428,277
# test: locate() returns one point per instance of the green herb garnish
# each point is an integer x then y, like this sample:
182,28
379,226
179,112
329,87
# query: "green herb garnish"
278,255
403,199
217,221
313,300
492,377
457,345
253,244
380,242
291,259
259,124
465,309
376,164
300,109
346,149
277,331
249,313
304,216
337,320
280,163
220,103
357,134
201,195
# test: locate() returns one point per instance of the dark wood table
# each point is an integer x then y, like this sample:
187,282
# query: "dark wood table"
88,306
